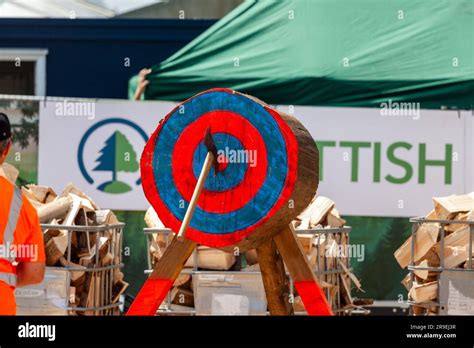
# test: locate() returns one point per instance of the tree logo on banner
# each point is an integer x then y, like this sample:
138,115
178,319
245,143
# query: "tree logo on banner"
117,154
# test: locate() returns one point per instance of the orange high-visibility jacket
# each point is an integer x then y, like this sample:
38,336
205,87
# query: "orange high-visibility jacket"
21,240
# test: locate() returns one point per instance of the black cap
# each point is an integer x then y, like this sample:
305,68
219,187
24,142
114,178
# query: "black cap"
5,128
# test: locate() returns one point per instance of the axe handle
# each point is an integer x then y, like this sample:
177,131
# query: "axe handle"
197,192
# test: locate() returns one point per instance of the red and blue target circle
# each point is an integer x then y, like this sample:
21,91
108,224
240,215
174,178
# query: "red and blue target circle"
257,170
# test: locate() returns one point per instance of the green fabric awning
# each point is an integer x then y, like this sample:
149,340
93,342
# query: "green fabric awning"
331,52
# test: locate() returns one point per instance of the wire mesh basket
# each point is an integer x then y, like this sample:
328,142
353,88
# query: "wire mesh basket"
330,266
88,280
329,257
450,280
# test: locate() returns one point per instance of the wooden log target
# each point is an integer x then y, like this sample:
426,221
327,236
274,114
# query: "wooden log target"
264,173
268,169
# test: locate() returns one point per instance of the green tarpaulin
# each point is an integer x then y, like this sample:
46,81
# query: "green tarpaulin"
331,52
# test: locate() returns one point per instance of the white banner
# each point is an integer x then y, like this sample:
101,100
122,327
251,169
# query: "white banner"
373,164
377,164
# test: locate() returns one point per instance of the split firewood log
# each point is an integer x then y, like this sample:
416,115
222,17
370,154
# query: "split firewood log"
40,193
447,207
9,172
71,188
424,292
55,249
317,210
57,209
426,237
334,219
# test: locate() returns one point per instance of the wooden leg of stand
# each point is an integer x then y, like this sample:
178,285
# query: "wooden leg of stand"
300,270
159,283
274,279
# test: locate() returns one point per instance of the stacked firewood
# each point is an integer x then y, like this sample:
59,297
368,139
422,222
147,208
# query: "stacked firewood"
328,253
427,249
74,208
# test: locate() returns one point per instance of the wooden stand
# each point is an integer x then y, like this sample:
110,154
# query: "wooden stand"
283,247
274,245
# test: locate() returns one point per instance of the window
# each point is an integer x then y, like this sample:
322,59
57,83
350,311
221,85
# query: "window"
23,71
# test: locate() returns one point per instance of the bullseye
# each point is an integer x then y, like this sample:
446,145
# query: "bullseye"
231,169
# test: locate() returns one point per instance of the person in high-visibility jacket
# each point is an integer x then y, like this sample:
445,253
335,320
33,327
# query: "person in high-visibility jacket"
22,256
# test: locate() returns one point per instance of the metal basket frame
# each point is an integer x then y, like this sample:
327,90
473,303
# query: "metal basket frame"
340,231
412,267
319,271
117,237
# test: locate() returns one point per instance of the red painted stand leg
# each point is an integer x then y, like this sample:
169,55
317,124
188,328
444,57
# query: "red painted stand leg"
303,277
161,280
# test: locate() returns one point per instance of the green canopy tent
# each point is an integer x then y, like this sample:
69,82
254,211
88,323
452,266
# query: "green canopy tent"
331,52
336,53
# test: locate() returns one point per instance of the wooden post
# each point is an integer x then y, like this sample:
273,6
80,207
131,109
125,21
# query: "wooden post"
274,279
305,282
197,192
161,280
